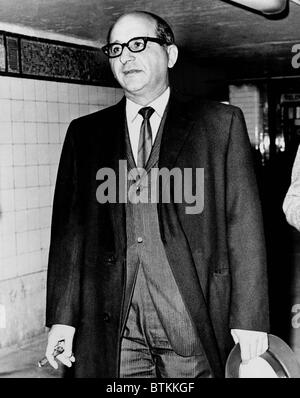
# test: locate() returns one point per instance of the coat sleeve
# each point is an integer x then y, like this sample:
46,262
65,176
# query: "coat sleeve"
291,203
249,307
63,279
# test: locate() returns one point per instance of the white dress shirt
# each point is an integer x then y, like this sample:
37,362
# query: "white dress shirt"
134,119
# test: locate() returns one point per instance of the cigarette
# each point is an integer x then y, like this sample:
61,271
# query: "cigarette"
57,350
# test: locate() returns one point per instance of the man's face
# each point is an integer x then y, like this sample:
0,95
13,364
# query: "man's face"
143,74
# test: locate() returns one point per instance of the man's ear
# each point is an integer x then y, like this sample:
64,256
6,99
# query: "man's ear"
172,55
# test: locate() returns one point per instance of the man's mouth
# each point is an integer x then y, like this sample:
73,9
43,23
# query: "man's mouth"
131,71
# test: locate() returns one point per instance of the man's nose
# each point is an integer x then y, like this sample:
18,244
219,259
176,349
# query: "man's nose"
126,55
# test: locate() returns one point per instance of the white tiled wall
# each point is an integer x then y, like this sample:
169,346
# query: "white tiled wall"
34,116
247,97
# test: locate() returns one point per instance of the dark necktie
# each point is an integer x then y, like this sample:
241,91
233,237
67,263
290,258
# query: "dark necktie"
145,140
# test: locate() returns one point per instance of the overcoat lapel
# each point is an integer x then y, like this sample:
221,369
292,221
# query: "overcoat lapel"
177,128
118,216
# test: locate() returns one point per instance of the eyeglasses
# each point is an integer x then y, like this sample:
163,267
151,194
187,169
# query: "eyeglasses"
135,45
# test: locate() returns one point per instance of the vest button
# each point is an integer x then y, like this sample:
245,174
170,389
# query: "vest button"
139,239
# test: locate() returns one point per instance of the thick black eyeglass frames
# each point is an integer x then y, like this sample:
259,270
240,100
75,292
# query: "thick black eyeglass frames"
135,45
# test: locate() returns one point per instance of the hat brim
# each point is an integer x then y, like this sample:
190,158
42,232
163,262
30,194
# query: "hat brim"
279,356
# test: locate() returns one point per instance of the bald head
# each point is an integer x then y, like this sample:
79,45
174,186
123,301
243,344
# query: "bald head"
162,29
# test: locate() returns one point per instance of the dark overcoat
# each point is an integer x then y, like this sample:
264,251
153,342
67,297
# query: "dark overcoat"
217,256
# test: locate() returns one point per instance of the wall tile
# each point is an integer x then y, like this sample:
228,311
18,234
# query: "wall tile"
5,87
44,175
5,114
73,91
41,112
40,90
6,178
43,153
8,268
63,127
53,173
74,111
33,241
44,197
64,113
19,154
16,88
30,133
17,111
22,263
20,199
119,94
9,247
51,90
44,260
34,261
54,137
42,133
32,198
6,155
29,89
21,221
32,177
30,111
53,115
7,200
102,97
93,108
54,153
83,110
32,154
83,94
22,242
45,238
33,219
63,92
93,95
20,176
5,132
45,217
7,224
18,133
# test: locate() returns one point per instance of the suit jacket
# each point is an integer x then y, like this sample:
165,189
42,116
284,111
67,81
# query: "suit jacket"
217,257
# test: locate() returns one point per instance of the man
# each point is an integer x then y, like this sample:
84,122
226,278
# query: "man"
148,290
291,203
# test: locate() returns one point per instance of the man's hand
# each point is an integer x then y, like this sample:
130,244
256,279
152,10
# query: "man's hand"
56,334
252,343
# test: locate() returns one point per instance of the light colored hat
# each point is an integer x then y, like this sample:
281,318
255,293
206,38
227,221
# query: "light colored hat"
279,361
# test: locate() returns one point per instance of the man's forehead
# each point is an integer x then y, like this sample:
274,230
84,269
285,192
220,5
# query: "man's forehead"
132,25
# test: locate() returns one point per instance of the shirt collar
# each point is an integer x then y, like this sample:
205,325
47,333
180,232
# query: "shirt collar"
159,105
